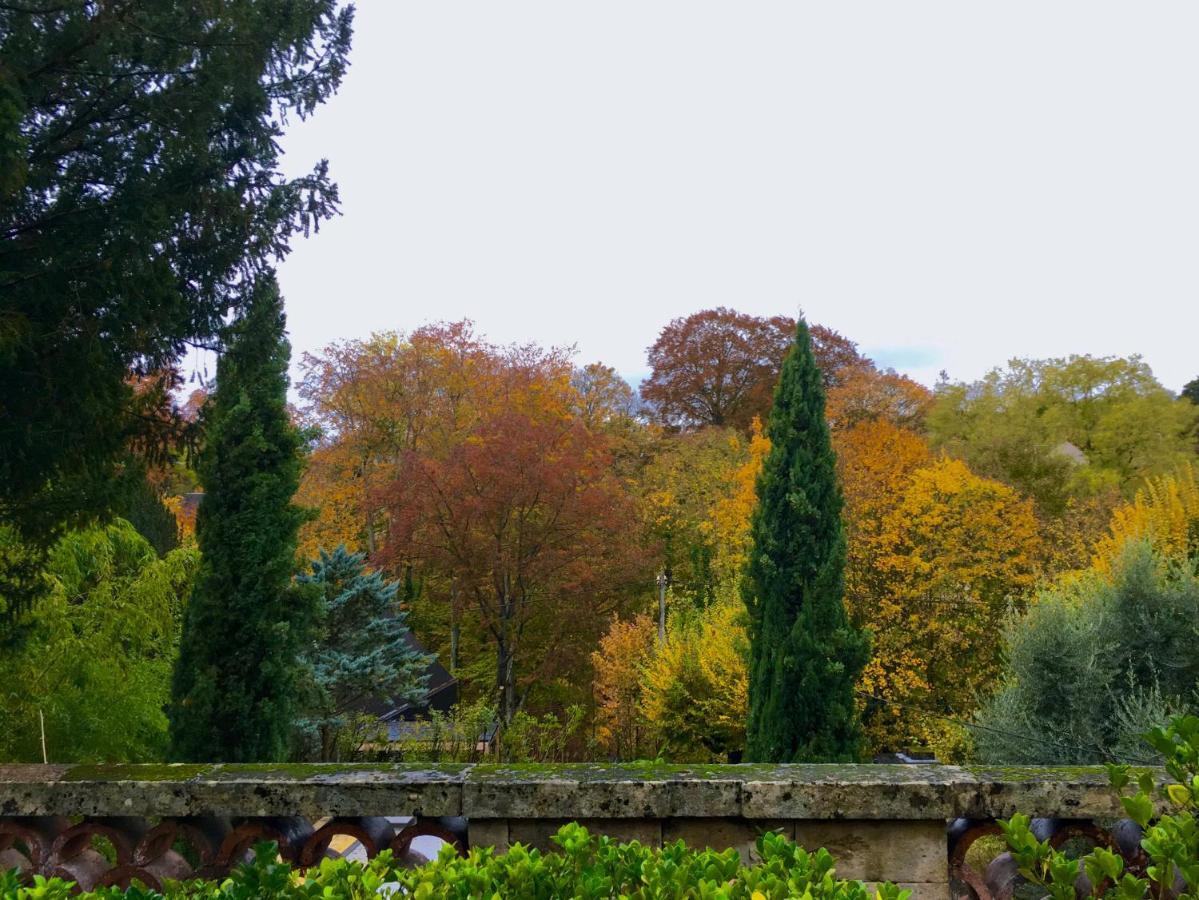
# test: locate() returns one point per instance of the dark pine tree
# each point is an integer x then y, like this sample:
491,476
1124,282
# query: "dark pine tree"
140,185
361,651
805,655
247,623
1191,391
142,506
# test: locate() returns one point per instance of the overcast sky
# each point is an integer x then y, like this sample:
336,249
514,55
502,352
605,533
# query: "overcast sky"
949,184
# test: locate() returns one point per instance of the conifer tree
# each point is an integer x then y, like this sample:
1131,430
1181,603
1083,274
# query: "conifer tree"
805,655
246,624
1191,390
361,650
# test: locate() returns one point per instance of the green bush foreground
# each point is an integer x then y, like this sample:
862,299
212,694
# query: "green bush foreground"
584,866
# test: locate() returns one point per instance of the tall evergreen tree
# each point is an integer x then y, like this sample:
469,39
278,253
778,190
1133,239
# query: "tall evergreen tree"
140,185
361,651
1191,391
805,655
246,624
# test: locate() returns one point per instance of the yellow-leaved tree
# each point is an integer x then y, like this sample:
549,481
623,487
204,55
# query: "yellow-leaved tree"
731,514
619,662
1165,511
696,686
955,554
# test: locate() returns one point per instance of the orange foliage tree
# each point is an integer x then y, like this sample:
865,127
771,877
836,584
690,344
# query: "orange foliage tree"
867,394
953,555
935,556
372,401
515,520
619,662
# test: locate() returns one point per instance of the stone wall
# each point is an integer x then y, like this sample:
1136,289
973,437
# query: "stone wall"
913,825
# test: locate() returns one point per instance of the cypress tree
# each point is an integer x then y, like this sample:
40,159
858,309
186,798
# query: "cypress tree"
805,655
246,623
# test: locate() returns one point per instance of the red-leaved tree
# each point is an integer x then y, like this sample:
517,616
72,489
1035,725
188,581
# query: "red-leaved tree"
720,366
526,520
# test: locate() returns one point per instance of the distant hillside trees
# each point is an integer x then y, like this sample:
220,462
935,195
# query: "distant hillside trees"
1062,428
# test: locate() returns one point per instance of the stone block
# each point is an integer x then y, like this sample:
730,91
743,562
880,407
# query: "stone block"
583,791
539,833
826,791
722,834
488,833
870,850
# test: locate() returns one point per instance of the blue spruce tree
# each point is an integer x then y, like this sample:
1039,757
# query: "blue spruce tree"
361,651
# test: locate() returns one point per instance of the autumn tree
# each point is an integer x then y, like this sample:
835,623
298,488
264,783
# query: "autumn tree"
719,366
140,189
624,651
370,402
936,576
805,655
694,692
605,399
875,462
527,527
1164,514
246,624
867,394
732,513
1060,428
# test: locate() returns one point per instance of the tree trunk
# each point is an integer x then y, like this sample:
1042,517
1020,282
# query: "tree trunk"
505,675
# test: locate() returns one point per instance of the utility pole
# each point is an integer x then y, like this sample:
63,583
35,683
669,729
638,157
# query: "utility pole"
663,580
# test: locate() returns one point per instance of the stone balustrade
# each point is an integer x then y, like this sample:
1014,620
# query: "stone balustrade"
921,826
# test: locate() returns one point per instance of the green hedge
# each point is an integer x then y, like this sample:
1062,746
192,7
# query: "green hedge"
583,866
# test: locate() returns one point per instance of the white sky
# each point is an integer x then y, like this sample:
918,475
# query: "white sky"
949,184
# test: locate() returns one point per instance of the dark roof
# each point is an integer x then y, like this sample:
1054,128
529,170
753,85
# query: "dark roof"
442,692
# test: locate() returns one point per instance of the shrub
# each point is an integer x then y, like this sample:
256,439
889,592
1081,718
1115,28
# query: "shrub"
1094,663
1171,843
584,866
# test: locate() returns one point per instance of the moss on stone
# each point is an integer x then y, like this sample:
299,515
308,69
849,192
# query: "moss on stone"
1024,774
137,772
308,771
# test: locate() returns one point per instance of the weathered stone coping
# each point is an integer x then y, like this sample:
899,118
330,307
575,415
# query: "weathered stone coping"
582,791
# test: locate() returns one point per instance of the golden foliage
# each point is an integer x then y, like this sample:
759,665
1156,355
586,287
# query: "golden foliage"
731,514
185,517
333,492
623,653
935,555
696,686
1165,510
